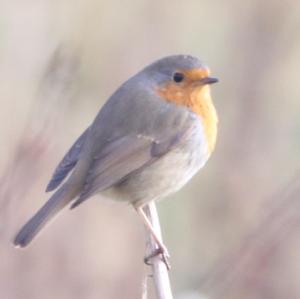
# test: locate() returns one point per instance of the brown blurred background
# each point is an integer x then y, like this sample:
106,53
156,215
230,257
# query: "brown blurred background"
234,231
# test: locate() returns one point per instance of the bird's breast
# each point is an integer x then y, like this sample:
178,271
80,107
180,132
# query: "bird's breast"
198,100
169,173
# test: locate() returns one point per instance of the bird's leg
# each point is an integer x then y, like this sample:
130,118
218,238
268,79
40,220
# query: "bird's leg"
161,249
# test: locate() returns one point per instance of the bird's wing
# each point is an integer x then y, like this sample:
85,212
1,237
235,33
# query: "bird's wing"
122,157
67,163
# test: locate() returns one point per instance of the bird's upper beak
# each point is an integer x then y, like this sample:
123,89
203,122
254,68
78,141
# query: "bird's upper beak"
208,80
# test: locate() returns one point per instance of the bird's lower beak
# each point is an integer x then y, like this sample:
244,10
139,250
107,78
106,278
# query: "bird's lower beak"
209,80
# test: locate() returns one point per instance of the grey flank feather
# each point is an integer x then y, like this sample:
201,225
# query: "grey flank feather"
118,159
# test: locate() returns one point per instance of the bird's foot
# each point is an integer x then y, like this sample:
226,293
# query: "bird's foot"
161,251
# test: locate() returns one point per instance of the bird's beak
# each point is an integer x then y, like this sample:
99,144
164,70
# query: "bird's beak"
208,80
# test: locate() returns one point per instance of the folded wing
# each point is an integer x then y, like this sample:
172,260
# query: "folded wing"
120,158
67,163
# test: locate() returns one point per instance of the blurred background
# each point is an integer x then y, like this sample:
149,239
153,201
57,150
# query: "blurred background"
234,231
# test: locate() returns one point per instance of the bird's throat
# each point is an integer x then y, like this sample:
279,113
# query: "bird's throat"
199,100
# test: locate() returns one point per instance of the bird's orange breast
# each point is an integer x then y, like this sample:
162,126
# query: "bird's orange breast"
197,99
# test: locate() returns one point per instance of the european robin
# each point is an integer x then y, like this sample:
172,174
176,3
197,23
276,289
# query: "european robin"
148,140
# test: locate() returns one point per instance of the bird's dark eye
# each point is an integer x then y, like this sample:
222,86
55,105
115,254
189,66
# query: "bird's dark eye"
178,77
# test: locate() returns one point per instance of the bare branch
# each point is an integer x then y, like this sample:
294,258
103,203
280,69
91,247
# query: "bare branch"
159,270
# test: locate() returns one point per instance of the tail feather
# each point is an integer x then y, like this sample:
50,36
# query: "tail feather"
56,203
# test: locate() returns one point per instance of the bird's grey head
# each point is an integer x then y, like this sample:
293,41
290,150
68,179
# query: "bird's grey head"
176,68
171,63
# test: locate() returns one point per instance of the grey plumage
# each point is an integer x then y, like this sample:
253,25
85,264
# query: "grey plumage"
67,163
132,132
57,202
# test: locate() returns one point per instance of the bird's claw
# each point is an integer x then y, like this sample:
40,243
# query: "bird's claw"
161,251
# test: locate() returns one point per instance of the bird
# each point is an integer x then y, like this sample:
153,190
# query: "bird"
153,134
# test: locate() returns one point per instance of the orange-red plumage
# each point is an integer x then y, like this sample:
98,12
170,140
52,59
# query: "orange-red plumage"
196,97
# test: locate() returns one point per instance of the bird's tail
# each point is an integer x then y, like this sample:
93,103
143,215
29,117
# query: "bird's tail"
56,203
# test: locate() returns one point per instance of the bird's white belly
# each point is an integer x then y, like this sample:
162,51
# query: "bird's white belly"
166,175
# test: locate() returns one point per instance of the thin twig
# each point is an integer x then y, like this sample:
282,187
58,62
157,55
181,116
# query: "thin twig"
159,270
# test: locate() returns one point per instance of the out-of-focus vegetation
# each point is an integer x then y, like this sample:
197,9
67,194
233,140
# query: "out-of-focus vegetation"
233,232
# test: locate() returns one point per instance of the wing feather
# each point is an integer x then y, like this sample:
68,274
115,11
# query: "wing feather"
67,163
120,158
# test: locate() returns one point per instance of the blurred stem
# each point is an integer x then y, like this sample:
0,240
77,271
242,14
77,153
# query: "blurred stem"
159,270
